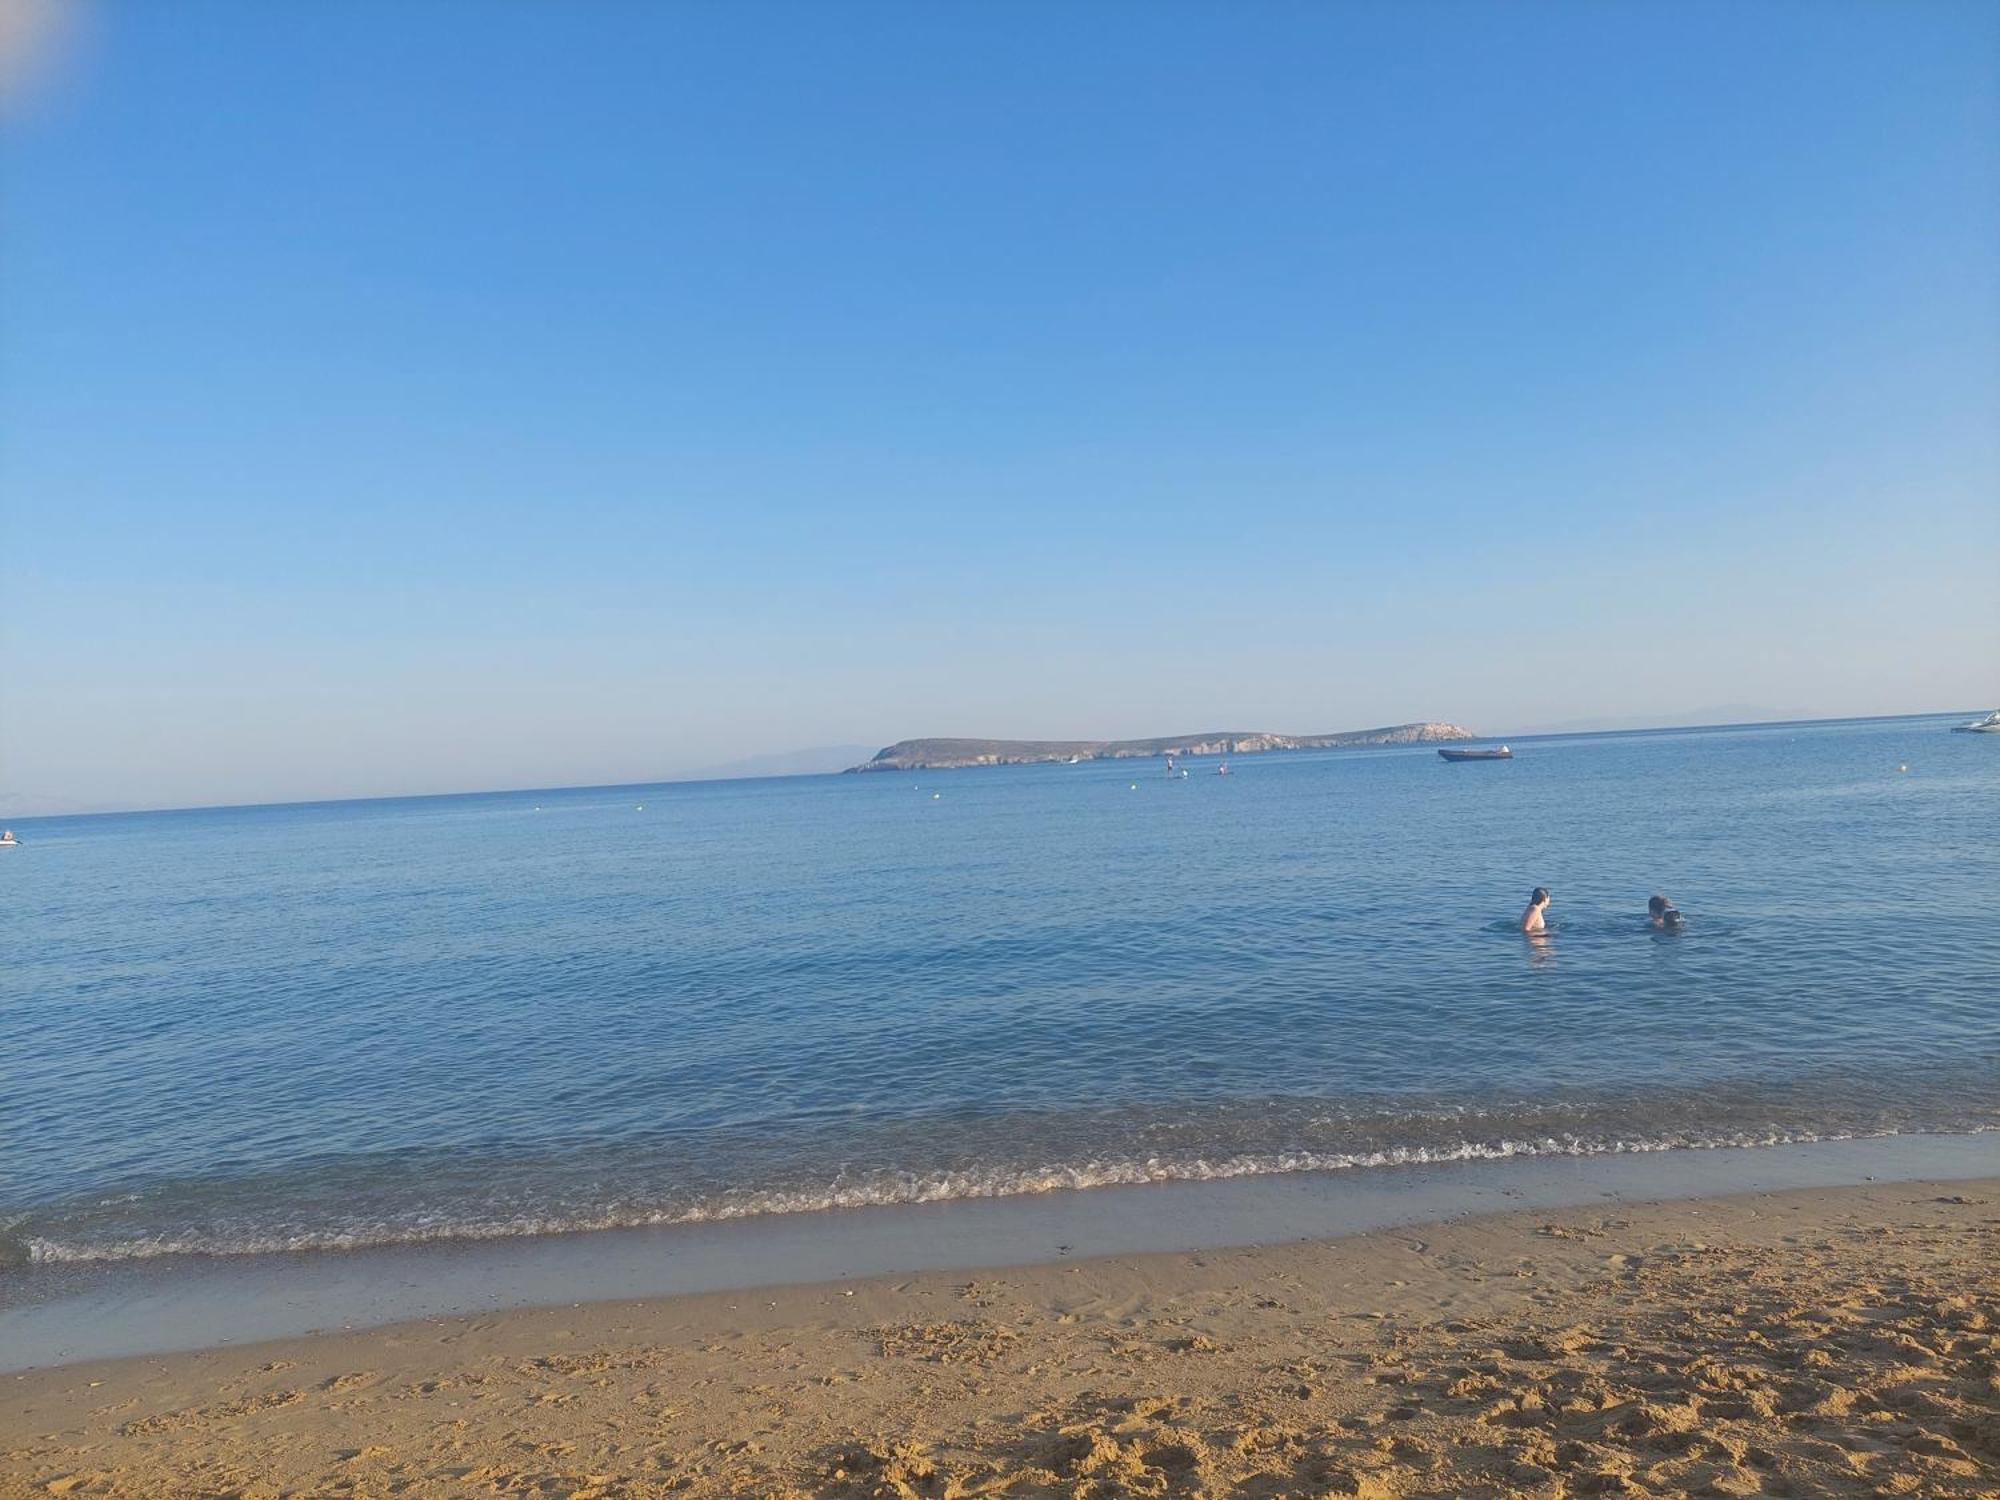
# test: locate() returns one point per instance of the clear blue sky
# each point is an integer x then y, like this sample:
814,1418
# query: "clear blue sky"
447,394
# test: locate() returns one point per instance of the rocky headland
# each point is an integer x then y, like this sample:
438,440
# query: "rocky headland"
950,754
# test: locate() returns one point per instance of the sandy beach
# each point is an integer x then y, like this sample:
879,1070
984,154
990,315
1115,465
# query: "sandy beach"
1813,1342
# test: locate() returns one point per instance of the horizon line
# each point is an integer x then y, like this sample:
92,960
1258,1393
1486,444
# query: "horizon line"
613,786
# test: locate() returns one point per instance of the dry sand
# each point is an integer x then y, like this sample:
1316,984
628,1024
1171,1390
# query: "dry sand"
1820,1342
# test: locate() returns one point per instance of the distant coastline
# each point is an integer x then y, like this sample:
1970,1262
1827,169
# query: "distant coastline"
29,807
957,754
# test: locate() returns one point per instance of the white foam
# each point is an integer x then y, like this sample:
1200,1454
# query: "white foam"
889,1188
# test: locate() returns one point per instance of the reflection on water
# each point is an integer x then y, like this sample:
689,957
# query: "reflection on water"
1541,948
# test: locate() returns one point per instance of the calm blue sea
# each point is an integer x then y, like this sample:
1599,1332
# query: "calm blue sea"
339,1024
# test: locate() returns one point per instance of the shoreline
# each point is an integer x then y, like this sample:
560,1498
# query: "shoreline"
54,1316
1814,1340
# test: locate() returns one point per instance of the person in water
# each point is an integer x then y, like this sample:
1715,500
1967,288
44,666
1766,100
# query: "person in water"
1531,919
1661,913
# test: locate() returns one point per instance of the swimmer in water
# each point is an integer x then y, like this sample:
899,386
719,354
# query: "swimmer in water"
1661,913
1531,919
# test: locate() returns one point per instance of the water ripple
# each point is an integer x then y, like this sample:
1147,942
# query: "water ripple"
274,1028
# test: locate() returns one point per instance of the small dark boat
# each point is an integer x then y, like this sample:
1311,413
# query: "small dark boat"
1503,753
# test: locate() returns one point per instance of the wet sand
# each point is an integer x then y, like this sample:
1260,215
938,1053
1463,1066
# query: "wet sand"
1820,1341
59,1314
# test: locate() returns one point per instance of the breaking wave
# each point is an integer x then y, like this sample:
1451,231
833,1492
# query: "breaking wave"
870,1190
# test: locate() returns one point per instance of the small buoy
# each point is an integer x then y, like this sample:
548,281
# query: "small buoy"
936,795
640,808
1135,786
1902,768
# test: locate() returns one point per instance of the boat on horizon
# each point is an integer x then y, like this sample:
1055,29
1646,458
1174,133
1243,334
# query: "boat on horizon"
1988,725
1503,753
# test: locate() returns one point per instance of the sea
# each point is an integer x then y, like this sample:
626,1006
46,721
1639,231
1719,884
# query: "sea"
261,1030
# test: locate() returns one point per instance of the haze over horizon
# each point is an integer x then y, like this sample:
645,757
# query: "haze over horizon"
441,397
829,760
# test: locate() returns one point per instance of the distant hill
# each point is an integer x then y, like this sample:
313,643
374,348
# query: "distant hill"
937,755
820,760
1715,716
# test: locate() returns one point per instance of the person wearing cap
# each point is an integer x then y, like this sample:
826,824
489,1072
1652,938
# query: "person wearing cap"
1531,919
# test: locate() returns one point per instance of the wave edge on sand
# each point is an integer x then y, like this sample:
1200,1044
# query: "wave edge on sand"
877,1190
1820,1341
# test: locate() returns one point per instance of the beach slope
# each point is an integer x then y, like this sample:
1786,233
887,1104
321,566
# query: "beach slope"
1815,1342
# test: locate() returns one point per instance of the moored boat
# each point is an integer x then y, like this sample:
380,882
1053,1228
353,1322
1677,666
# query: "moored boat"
1503,753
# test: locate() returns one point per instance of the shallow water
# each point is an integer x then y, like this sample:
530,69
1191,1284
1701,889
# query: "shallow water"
339,1024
